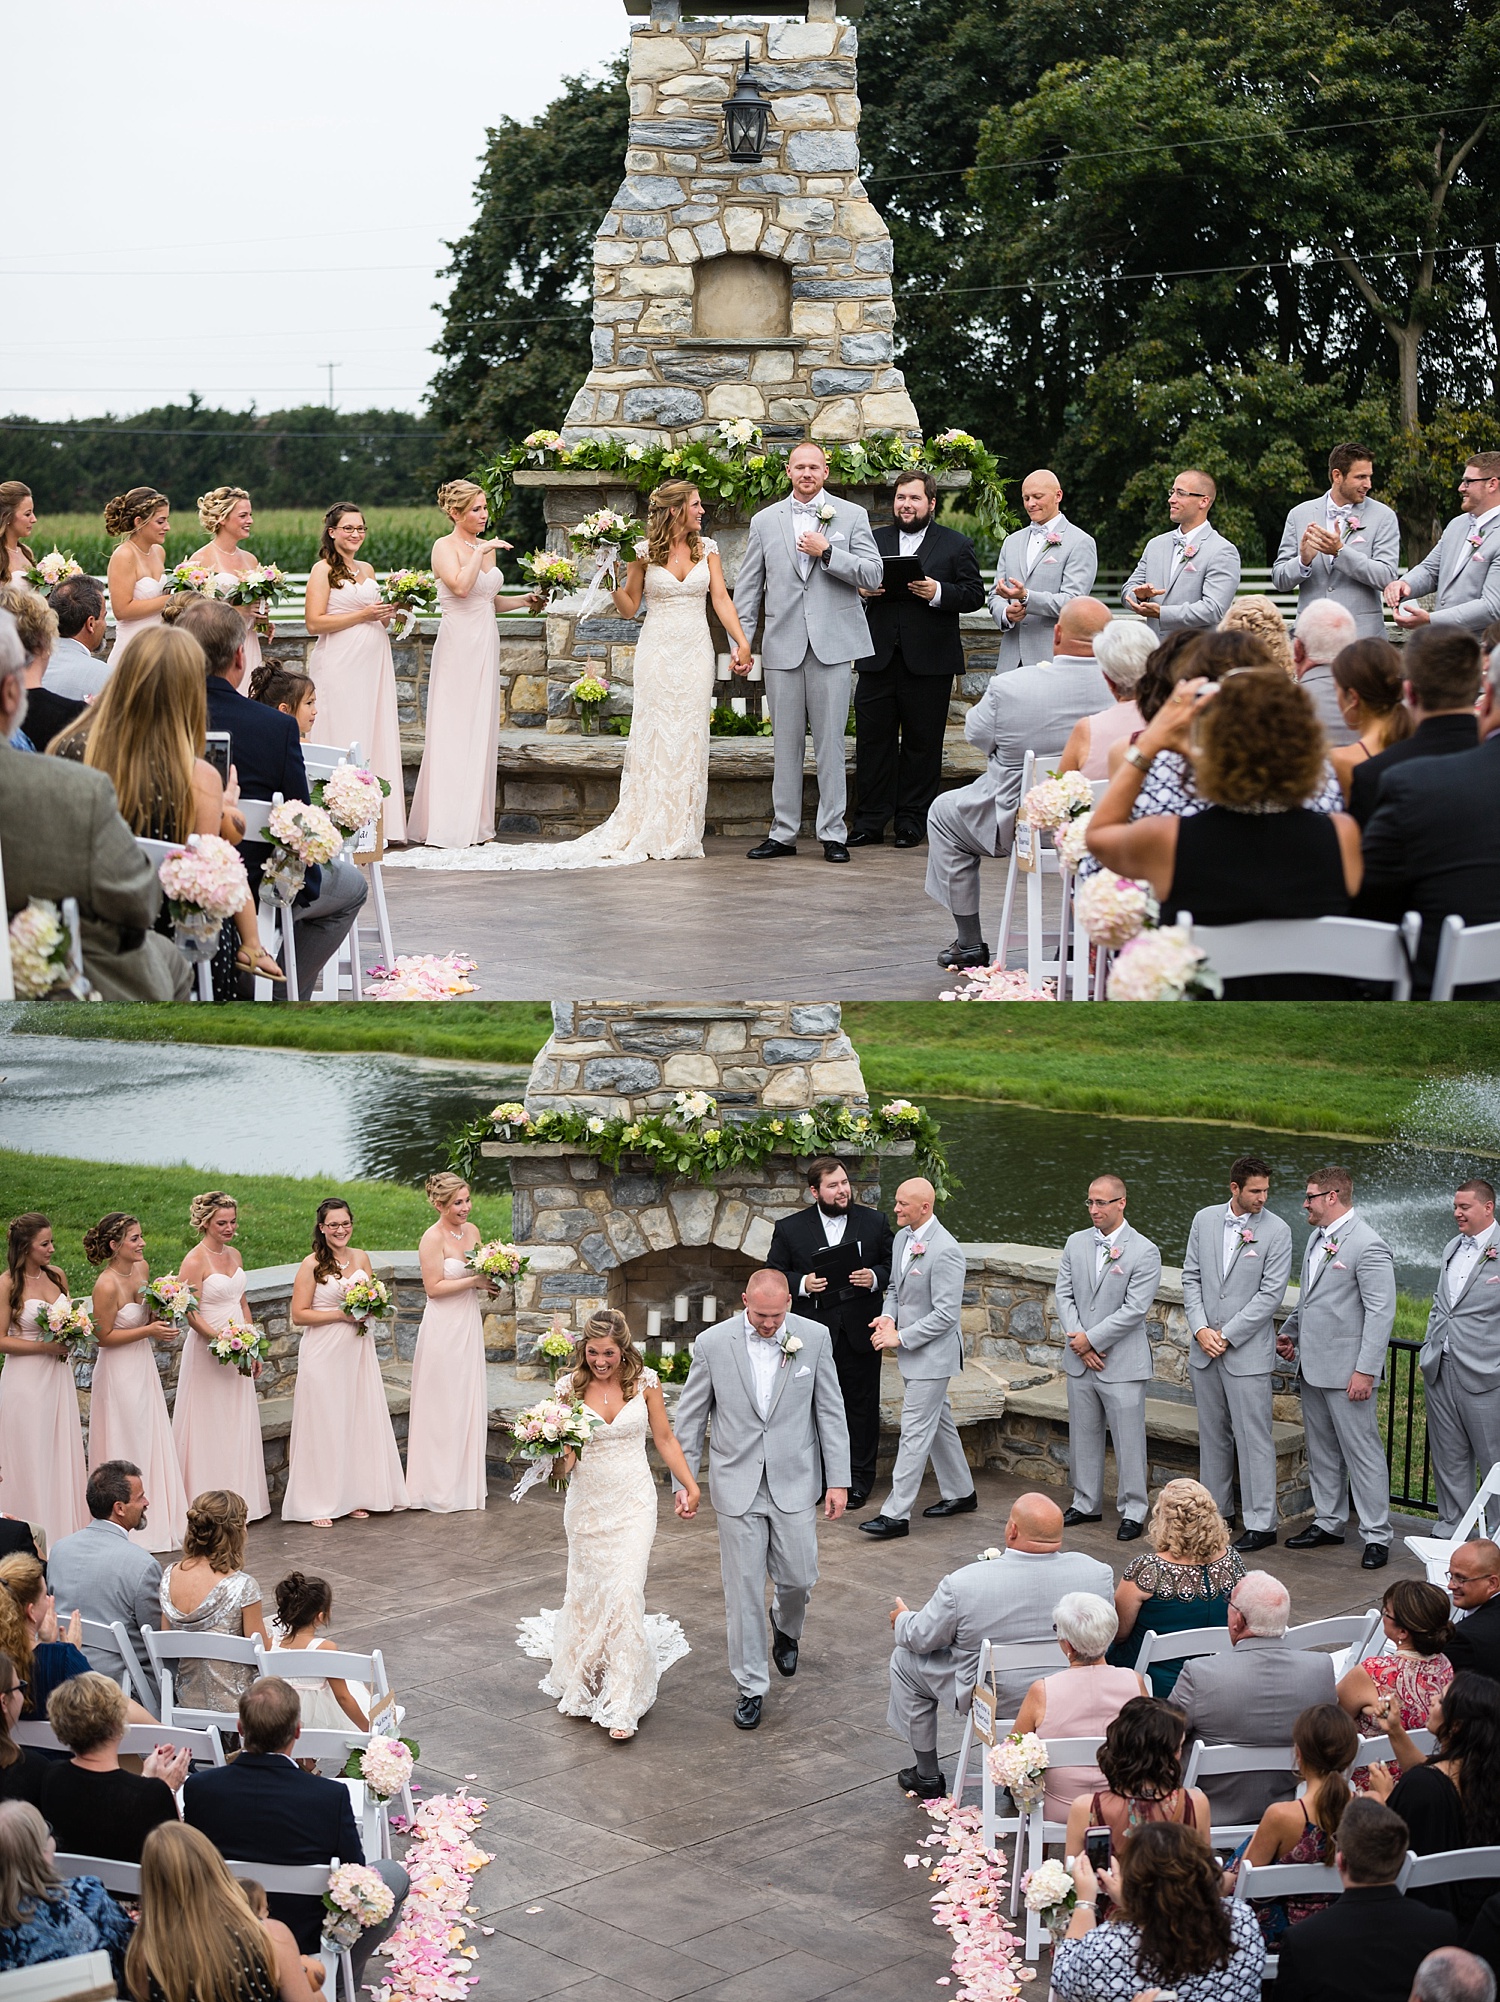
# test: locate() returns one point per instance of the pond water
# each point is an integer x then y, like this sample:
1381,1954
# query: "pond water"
1025,1173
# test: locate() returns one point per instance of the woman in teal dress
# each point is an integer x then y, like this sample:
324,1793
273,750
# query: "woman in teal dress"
1183,1581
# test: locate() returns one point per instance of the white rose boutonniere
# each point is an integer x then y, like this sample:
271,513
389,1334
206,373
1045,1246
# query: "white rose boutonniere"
789,1345
827,512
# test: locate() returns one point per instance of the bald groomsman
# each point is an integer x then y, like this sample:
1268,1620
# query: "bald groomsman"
1106,1282
1040,569
1462,569
1239,1258
1189,575
1344,546
1460,1359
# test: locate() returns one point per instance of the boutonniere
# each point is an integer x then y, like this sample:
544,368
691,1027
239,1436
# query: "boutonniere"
1189,551
1352,526
789,1345
1247,1235
917,1249
1054,537
827,511
1114,1252
1330,1248
1490,1252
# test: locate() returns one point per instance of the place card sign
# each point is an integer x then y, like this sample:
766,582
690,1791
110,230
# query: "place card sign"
1025,846
983,1708
384,1717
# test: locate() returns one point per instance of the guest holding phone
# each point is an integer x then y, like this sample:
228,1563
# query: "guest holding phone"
1141,1760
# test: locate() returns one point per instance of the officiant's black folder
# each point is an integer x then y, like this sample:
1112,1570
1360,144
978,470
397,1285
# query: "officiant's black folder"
836,1261
901,571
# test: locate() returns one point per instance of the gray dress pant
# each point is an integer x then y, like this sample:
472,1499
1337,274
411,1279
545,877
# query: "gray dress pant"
1343,1453
398,1883
765,1539
320,927
818,693
1094,1405
963,827
1235,1412
921,1686
1463,1431
927,1432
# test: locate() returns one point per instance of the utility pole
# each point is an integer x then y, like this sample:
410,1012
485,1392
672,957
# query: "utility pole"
330,366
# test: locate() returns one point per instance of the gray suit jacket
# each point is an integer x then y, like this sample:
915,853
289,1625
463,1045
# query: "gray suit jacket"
1204,587
1251,1695
1467,580
1317,684
1343,1320
1470,1325
1241,1302
1066,570
99,1572
1111,1310
1029,709
826,612
806,1419
1010,1598
1354,578
925,1303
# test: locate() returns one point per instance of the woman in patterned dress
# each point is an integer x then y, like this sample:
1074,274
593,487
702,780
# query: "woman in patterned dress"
1183,1581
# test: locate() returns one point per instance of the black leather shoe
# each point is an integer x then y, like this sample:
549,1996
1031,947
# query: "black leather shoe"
909,837
885,1526
1256,1539
747,1712
911,1781
768,851
956,956
835,851
1376,1557
857,1498
783,1651
1073,1516
964,1505
1128,1531
863,837
1312,1538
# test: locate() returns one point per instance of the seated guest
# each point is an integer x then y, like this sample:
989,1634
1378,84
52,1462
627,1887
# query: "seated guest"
37,630
28,1632
1449,1798
1261,616
285,689
1321,634
198,1936
1453,1975
1443,668
254,1894
1142,1761
99,1572
1252,1694
1417,1620
1484,1934
208,1591
1474,1583
1369,1942
936,1657
1305,1830
42,1915
265,1809
1121,650
94,1806
304,1606
1184,1580
1174,1929
1367,684
1081,1700
76,672
22,1770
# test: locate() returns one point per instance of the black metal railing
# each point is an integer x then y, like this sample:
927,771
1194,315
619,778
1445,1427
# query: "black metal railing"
1405,1421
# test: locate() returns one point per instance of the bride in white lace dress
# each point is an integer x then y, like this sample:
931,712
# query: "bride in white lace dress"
607,1652
664,783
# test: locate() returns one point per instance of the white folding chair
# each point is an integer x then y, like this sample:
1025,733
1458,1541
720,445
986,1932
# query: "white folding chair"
1040,1656
1036,1832
1466,954
165,1650
110,1637
1045,862
156,852
1350,1637
1374,1751
306,1880
276,923
38,1734
1294,1880
1082,988
1213,1761
341,1666
81,1977
1452,1866
205,1746
112,1875
1352,948
1481,1518
321,761
1180,1646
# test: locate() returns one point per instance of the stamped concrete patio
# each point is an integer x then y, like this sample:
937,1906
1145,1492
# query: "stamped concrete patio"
696,1860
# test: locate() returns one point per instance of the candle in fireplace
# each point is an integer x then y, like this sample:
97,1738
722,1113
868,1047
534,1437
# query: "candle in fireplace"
710,1309
680,1307
653,1325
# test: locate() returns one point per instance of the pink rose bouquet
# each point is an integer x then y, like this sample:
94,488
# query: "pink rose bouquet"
239,1345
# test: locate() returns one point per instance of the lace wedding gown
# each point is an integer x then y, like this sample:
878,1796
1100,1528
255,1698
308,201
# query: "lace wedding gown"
664,783
607,1652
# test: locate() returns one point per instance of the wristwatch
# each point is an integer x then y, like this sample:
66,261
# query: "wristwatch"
1141,760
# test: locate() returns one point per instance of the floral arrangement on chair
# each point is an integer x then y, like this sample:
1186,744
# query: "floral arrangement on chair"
1049,1891
1018,1763
1115,909
205,883
352,797
384,1764
304,835
41,952
357,1898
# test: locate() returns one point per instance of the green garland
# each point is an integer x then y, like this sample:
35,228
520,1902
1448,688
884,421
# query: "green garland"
738,471
688,1138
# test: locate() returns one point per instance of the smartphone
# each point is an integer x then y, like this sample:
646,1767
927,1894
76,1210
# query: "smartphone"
1096,1846
216,751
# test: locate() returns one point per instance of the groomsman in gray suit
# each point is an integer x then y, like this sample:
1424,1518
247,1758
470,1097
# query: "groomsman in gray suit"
1234,1276
1189,575
767,1381
921,1323
1462,568
1338,1334
1040,569
1344,546
1106,1282
1460,1358
806,560
935,1661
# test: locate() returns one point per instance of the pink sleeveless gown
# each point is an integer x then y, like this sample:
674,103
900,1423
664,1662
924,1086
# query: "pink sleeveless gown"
343,1451
356,683
454,803
41,1437
216,1419
126,630
128,1420
449,1409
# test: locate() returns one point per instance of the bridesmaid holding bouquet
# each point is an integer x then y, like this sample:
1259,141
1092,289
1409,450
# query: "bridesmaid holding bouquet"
343,1454
351,664
228,517
216,1419
128,1417
449,1409
137,596
41,1436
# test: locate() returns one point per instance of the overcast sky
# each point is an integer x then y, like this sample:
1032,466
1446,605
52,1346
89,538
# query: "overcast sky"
223,198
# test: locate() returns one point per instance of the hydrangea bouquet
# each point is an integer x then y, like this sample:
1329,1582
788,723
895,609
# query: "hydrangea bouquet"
52,568
205,883
544,1432
1115,909
239,1345
168,1299
1018,1763
357,1898
304,835
70,1323
352,797
41,953
1162,965
366,1299
1048,1890
384,1764
554,1348
589,692
1056,800
414,594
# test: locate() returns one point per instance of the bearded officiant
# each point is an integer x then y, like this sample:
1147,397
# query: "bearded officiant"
836,1255
901,697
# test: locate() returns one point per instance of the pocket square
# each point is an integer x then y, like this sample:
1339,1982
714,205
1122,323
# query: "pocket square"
804,1371
1252,1254
836,535
1339,1265
1493,1281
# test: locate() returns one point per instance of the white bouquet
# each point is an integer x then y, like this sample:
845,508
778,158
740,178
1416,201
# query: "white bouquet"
52,569
1018,1763
356,1899
1115,909
1056,800
40,953
1048,1889
1162,965
1072,841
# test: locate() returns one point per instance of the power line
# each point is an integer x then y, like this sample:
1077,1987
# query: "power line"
207,431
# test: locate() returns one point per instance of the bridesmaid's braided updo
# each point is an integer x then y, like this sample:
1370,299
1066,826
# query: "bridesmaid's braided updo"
203,1209
216,506
441,1188
455,495
127,511
99,1243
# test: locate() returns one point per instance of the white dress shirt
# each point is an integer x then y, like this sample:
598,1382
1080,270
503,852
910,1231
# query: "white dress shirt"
1461,1266
805,515
1489,515
1233,1225
765,1360
911,543
1103,1244
909,1250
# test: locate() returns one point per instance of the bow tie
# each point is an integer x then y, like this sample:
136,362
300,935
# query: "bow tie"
1179,540
1100,1238
804,507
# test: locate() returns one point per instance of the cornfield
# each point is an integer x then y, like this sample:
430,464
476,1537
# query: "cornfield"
400,538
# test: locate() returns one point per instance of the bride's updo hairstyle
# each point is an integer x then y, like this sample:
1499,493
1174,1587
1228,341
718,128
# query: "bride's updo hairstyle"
203,1209
126,511
215,508
99,1243
440,1189
608,1325
338,570
666,521
455,495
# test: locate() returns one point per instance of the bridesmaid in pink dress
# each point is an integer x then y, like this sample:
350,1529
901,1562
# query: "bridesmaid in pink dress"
128,1417
41,1435
449,1408
454,803
351,664
343,1454
136,597
216,1419
227,515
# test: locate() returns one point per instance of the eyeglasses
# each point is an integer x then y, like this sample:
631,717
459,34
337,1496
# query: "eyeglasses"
1184,493
1315,1196
1477,480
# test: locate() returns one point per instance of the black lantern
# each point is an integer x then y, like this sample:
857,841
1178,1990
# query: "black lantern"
746,117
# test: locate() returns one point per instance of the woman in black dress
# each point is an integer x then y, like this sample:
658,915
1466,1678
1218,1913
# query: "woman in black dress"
1448,1798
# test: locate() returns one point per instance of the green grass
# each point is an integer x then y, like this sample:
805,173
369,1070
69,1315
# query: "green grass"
490,1032
400,537
276,1211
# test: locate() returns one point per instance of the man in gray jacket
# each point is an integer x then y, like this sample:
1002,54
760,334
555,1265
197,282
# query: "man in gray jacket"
1187,577
1042,567
1338,1334
1234,1278
1460,1358
99,1572
1343,547
1462,569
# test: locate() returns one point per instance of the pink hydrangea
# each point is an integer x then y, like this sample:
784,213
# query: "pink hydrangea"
1056,799
306,832
1158,966
207,875
352,798
1115,909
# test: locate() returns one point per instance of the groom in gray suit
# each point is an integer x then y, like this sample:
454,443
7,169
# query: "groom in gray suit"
1188,576
1460,1358
1342,547
1234,1275
806,560
1041,568
1338,1334
1462,569
767,1380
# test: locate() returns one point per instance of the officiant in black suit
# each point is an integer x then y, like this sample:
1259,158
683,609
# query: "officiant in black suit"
902,695
836,1255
